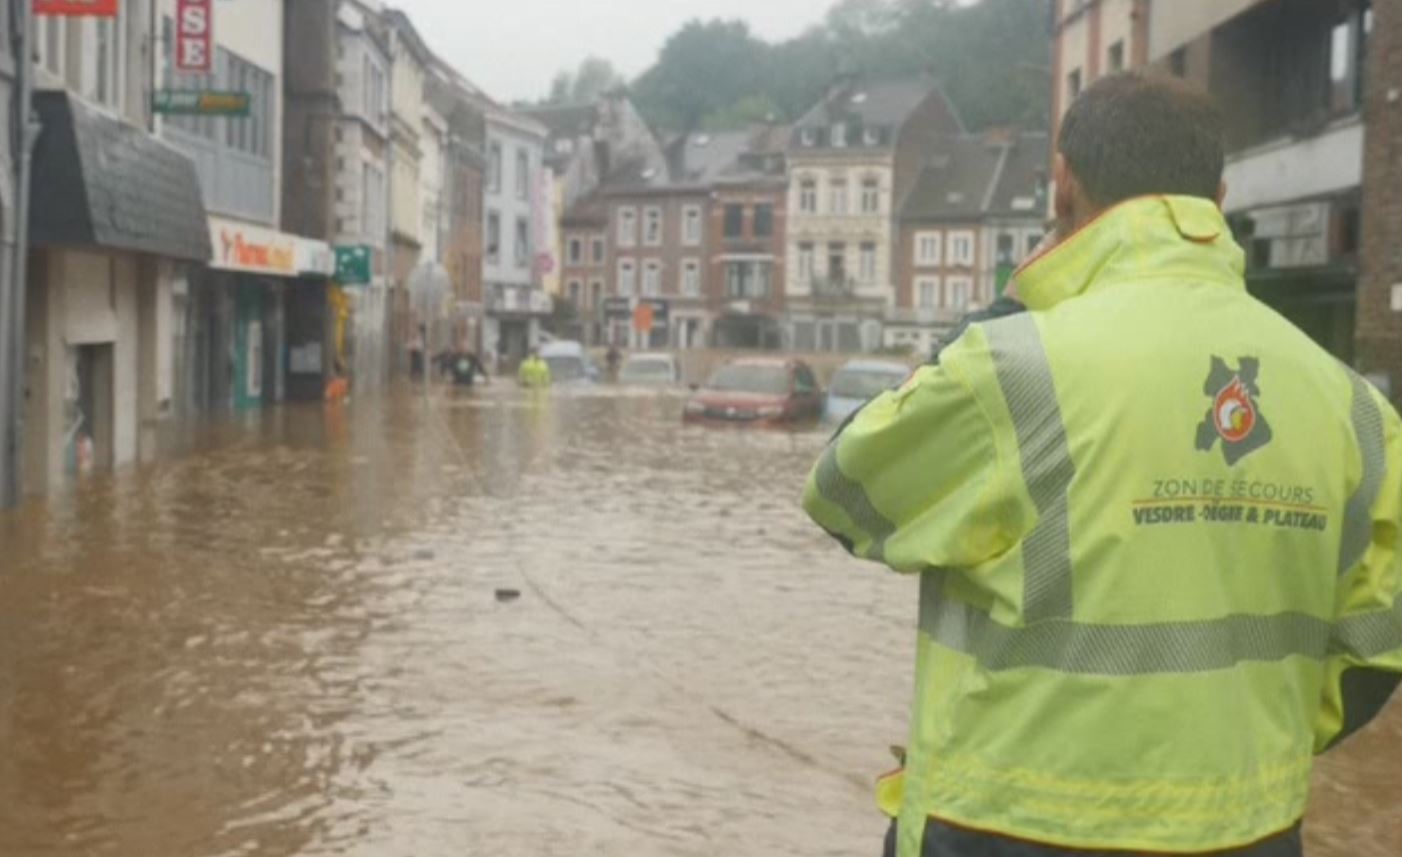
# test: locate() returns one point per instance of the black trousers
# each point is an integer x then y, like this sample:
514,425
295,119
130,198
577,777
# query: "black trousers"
944,840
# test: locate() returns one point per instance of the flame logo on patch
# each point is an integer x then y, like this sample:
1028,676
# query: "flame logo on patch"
1235,412
1235,420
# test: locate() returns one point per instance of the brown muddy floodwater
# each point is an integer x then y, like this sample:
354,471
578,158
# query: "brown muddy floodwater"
291,644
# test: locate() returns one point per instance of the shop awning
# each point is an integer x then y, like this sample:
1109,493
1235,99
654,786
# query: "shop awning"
101,182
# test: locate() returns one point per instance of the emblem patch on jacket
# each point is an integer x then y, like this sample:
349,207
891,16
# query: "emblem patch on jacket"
1235,420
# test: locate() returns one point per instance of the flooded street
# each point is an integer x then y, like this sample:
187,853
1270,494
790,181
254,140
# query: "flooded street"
305,640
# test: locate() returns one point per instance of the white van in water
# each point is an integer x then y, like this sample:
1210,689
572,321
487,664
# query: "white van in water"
650,370
859,382
569,363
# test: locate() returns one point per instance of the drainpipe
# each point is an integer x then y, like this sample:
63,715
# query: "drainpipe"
12,305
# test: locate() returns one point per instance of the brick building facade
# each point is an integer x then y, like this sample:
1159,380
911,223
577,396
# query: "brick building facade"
1380,282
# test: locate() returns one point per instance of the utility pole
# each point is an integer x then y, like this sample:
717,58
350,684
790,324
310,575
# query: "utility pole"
13,277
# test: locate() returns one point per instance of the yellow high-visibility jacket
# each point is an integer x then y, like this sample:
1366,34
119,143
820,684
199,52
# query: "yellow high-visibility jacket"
534,373
1155,526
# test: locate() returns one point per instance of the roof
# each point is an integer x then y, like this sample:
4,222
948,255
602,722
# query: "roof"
110,184
565,120
1024,177
589,211
968,177
877,105
405,27
696,162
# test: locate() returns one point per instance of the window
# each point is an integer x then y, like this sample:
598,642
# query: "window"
1178,63
734,221
494,168
837,262
871,196
627,227
372,201
691,278
1347,49
927,291
576,292
523,174
1073,85
691,226
652,278
839,136
51,36
808,197
250,135
867,265
927,249
523,242
1006,248
871,136
596,251
747,280
575,252
764,220
808,137
1033,242
805,262
596,293
627,277
103,66
839,196
374,94
1117,57
957,293
652,226
961,249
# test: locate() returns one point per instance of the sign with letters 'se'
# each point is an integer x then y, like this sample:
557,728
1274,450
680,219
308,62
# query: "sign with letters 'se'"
194,36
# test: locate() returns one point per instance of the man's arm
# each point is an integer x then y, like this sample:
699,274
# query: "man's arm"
1366,667
916,480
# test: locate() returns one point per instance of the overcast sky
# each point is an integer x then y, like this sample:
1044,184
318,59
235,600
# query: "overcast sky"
513,48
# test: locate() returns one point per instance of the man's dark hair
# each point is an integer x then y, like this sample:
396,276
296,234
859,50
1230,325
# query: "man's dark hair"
1135,134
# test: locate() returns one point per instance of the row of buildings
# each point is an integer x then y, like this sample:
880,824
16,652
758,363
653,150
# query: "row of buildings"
236,203
873,222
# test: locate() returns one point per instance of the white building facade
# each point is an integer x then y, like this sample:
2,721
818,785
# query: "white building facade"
516,202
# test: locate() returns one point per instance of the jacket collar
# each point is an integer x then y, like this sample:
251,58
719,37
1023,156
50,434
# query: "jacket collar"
1150,238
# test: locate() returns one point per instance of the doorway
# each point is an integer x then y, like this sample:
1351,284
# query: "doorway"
89,439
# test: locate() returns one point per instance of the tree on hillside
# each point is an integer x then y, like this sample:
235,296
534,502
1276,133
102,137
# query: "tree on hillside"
593,78
703,69
993,58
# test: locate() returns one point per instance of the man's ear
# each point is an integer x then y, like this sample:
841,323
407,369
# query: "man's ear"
1066,188
1222,194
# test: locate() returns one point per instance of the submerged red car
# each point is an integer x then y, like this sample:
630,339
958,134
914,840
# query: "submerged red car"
758,391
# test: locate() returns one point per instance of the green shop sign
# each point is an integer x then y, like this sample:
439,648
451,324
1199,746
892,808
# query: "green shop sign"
201,102
353,265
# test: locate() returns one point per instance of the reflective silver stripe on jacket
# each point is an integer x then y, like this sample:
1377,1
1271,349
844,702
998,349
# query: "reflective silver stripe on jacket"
1358,515
1047,469
847,494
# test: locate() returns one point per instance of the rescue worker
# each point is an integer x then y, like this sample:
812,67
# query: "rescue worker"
1155,527
534,372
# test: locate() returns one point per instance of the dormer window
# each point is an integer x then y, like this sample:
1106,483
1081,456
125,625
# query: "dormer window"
871,136
808,136
839,136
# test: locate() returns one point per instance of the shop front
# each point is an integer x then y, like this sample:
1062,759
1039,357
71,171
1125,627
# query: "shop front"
120,217
258,320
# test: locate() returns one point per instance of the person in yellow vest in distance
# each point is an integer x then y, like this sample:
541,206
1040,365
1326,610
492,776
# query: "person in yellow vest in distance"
534,373
1155,527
